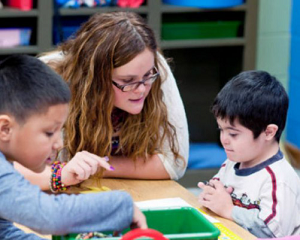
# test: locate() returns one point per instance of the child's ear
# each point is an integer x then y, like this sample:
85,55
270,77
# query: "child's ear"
5,127
271,131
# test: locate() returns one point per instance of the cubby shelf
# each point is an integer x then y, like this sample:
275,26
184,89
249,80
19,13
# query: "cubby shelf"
8,12
20,49
153,10
91,11
176,9
201,66
173,44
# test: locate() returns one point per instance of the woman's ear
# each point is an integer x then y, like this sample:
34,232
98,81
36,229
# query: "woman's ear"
6,123
271,131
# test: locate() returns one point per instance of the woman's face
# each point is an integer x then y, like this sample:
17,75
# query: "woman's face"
136,70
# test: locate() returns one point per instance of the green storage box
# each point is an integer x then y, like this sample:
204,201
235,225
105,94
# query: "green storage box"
175,223
200,30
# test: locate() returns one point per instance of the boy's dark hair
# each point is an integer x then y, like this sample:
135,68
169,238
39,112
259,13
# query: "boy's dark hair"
28,86
256,99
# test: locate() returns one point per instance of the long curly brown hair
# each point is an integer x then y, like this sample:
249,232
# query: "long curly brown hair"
107,41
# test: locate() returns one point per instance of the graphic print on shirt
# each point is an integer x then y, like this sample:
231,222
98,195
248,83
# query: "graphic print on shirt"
245,202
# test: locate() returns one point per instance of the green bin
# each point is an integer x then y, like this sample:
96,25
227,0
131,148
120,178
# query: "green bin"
174,223
200,30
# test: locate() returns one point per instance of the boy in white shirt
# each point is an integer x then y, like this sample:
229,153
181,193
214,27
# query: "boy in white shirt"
255,187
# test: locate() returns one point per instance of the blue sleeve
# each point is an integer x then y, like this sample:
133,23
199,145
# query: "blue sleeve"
27,205
10,232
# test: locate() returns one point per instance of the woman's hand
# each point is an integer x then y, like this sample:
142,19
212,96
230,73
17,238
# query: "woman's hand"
82,166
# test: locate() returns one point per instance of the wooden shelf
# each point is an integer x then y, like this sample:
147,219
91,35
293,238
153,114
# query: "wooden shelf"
13,13
224,42
178,9
19,49
154,11
91,11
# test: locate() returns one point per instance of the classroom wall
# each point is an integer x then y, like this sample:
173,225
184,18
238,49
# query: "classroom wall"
273,42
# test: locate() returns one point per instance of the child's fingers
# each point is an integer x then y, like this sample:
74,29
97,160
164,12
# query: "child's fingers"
79,172
207,187
204,203
102,162
92,163
82,170
229,190
216,183
208,196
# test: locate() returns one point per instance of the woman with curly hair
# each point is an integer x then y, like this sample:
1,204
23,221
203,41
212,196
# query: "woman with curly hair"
125,101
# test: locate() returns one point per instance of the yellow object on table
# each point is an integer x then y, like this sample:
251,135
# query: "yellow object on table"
88,186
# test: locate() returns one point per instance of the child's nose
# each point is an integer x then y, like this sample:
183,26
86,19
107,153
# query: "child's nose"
224,140
58,143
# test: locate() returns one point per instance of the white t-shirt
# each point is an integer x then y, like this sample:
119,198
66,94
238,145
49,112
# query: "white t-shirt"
266,197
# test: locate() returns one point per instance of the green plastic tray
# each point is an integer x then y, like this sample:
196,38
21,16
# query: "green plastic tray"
200,30
174,223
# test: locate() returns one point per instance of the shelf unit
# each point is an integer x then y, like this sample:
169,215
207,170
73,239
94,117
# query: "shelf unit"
220,58
154,10
42,18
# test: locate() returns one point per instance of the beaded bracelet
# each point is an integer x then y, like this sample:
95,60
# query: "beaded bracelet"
55,181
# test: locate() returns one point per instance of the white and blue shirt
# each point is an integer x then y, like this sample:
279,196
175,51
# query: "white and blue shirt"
266,196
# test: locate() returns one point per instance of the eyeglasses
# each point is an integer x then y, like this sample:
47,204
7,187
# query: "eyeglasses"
132,86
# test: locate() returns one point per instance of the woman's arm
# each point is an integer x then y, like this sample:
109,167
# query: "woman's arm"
153,168
177,117
40,179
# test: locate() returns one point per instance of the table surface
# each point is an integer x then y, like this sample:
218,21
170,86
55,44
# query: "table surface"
142,190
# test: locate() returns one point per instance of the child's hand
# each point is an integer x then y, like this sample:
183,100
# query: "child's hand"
216,197
82,166
139,219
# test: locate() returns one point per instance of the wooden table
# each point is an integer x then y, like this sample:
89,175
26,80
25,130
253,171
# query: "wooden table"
142,190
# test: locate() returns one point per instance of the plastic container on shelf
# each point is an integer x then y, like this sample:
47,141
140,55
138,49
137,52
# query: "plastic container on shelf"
180,223
200,30
67,28
13,37
67,32
205,3
24,5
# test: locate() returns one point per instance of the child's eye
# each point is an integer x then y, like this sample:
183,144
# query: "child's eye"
49,134
232,134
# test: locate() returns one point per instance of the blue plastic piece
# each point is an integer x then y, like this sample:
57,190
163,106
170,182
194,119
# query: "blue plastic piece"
205,3
25,36
206,155
293,120
61,2
294,58
68,28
